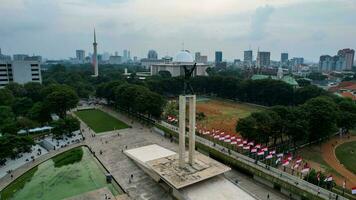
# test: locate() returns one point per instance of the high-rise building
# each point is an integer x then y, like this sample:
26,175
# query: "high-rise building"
200,58
95,57
284,57
332,63
349,56
4,57
218,57
197,56
248,56
296,61
20,71
263,59
125,53
80,55
19,57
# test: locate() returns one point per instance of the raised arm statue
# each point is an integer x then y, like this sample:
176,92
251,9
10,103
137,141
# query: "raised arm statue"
188,72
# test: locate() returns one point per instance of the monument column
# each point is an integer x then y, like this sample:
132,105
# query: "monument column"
182,116
192,105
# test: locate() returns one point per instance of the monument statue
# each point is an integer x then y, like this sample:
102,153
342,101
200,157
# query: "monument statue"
188,72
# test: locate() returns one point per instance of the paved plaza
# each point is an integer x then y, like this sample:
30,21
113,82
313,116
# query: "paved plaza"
109,147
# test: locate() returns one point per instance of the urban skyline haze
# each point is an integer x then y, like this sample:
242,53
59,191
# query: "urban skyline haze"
55,29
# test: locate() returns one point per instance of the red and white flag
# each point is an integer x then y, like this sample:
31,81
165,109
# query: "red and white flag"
296,166
329,178
272,152
264,149
245,142
269,156
258,146
305,170
261,153
254,150
251,143
246,147
289,158
238,139
299,160
280,155
285,163
353,190
233,142
240,145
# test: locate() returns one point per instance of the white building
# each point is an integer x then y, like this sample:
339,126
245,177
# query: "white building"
176,68
20,72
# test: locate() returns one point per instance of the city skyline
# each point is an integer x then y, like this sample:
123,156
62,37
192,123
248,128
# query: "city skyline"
229,26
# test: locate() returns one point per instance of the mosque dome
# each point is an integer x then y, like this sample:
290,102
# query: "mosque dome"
152,54
183,57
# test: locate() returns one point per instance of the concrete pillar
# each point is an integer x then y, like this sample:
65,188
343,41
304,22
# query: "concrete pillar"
192,105
182,116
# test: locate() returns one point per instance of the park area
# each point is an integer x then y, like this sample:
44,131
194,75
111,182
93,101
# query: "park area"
100,121
223,114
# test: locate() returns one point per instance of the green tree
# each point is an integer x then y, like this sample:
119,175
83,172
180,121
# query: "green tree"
61,100
305,93
7,120
22,105
16,89
6,97
39,112
347,115
33,90
321,113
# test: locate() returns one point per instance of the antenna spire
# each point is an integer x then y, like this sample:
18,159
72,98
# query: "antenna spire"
94,36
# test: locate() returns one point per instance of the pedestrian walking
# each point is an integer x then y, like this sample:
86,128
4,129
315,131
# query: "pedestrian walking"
268,196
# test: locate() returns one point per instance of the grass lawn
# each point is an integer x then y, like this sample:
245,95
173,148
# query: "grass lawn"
223,114
346,154
100,121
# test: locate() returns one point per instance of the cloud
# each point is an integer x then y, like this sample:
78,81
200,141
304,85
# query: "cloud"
259,22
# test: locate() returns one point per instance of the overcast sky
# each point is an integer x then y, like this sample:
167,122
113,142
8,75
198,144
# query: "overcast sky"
56,28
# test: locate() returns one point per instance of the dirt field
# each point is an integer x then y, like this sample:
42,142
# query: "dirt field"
223,115
322,157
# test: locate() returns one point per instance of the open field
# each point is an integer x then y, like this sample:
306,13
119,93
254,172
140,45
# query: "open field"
100,121
221,114
346,154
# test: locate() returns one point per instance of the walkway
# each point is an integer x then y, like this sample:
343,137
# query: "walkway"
328,153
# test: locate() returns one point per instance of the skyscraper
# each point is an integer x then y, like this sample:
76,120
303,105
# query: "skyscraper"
284,57
263,59
80,55
197,56
218,57
95,57
348,55
248,56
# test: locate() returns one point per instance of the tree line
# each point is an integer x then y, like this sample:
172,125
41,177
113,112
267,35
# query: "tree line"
266,92
317,118
134,98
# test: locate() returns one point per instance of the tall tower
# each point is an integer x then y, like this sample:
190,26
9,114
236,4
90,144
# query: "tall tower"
95,57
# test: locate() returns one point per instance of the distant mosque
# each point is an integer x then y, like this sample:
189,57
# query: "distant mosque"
95,58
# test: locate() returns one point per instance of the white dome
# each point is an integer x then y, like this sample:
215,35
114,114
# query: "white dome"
183,57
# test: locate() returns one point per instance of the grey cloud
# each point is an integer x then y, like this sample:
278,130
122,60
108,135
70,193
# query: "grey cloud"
259,22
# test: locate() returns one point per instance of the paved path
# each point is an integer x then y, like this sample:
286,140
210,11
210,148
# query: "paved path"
328,153
100,194
254,188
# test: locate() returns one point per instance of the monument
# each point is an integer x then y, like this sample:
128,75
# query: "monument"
202,177
188,96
